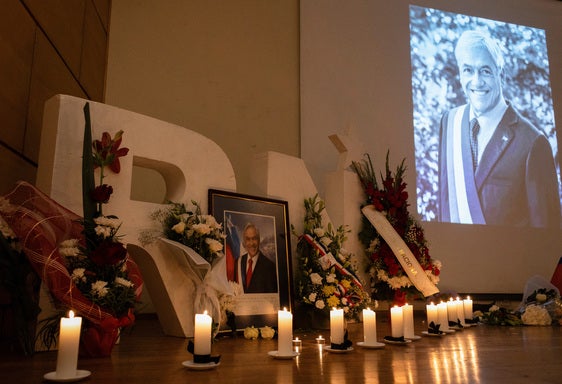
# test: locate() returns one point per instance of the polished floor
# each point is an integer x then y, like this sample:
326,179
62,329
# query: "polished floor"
480,354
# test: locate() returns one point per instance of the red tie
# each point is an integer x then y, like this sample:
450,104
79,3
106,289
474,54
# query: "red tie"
249,272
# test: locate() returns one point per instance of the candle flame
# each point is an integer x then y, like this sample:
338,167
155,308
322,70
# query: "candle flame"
71,314
285,309
205,312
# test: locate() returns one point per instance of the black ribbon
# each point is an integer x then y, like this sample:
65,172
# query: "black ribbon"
343,346
455,324
400,339
202,359
434,329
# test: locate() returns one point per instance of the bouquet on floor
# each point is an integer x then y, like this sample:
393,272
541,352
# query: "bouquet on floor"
389,280
81,260
198,239
328,278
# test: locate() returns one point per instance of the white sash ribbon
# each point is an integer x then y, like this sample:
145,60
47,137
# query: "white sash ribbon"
406,258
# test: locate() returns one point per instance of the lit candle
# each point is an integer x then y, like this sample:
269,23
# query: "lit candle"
442,316
297,344
337,326
408,314
452,313
369,327
202,337
320,340
69,337
432,314
460,310
467,306
285,333
397,321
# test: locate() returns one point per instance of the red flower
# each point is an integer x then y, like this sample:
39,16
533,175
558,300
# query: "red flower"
107,151
108,253
102,193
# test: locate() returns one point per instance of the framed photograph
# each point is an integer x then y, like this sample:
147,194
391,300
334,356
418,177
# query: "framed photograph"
257,250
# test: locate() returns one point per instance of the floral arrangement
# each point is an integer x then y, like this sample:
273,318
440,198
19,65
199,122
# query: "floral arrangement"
98,266
389,281
252,333
497,315
327,277
200,232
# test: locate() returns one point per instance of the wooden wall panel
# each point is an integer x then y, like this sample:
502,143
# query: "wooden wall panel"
94,54
46,47
62,21
13,169
17,35
48,78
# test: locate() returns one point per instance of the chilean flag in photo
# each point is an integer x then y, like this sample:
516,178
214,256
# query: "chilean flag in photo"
232,248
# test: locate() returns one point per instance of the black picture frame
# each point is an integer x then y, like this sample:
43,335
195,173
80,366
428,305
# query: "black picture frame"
235,210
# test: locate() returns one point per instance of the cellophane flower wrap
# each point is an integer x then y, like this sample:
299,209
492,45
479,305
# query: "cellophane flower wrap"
327,277
389,281
199,238
80,259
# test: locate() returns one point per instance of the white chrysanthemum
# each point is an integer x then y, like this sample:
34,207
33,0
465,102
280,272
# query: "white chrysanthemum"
99,288
103,231
536,315
70,243
124,282
214,245
331,278
201,228
316,278
108,222
210,221
319,232
372,246
312,297
493,308
78,275
267,332
320,304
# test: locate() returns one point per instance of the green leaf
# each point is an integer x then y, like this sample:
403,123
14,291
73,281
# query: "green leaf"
88,182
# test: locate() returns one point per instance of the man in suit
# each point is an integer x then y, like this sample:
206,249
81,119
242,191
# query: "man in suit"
255,271
495,167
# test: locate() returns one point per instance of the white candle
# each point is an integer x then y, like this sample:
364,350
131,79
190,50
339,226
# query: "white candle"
442,316
408,314
202,337
397,321
467,306
369,327
67,358
337,326
460,310
452,313
432,314
285,333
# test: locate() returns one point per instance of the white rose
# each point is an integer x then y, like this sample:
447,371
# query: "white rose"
179,227
320,304
536,315
201,228
214,245
251,333
331,278
267,332
326,241
316,278
312,297
319,232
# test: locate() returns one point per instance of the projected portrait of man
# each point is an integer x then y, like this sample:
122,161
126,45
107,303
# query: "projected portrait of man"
495,167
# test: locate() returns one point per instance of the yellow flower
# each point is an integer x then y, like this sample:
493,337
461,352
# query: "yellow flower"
346,284
333,301
328,290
